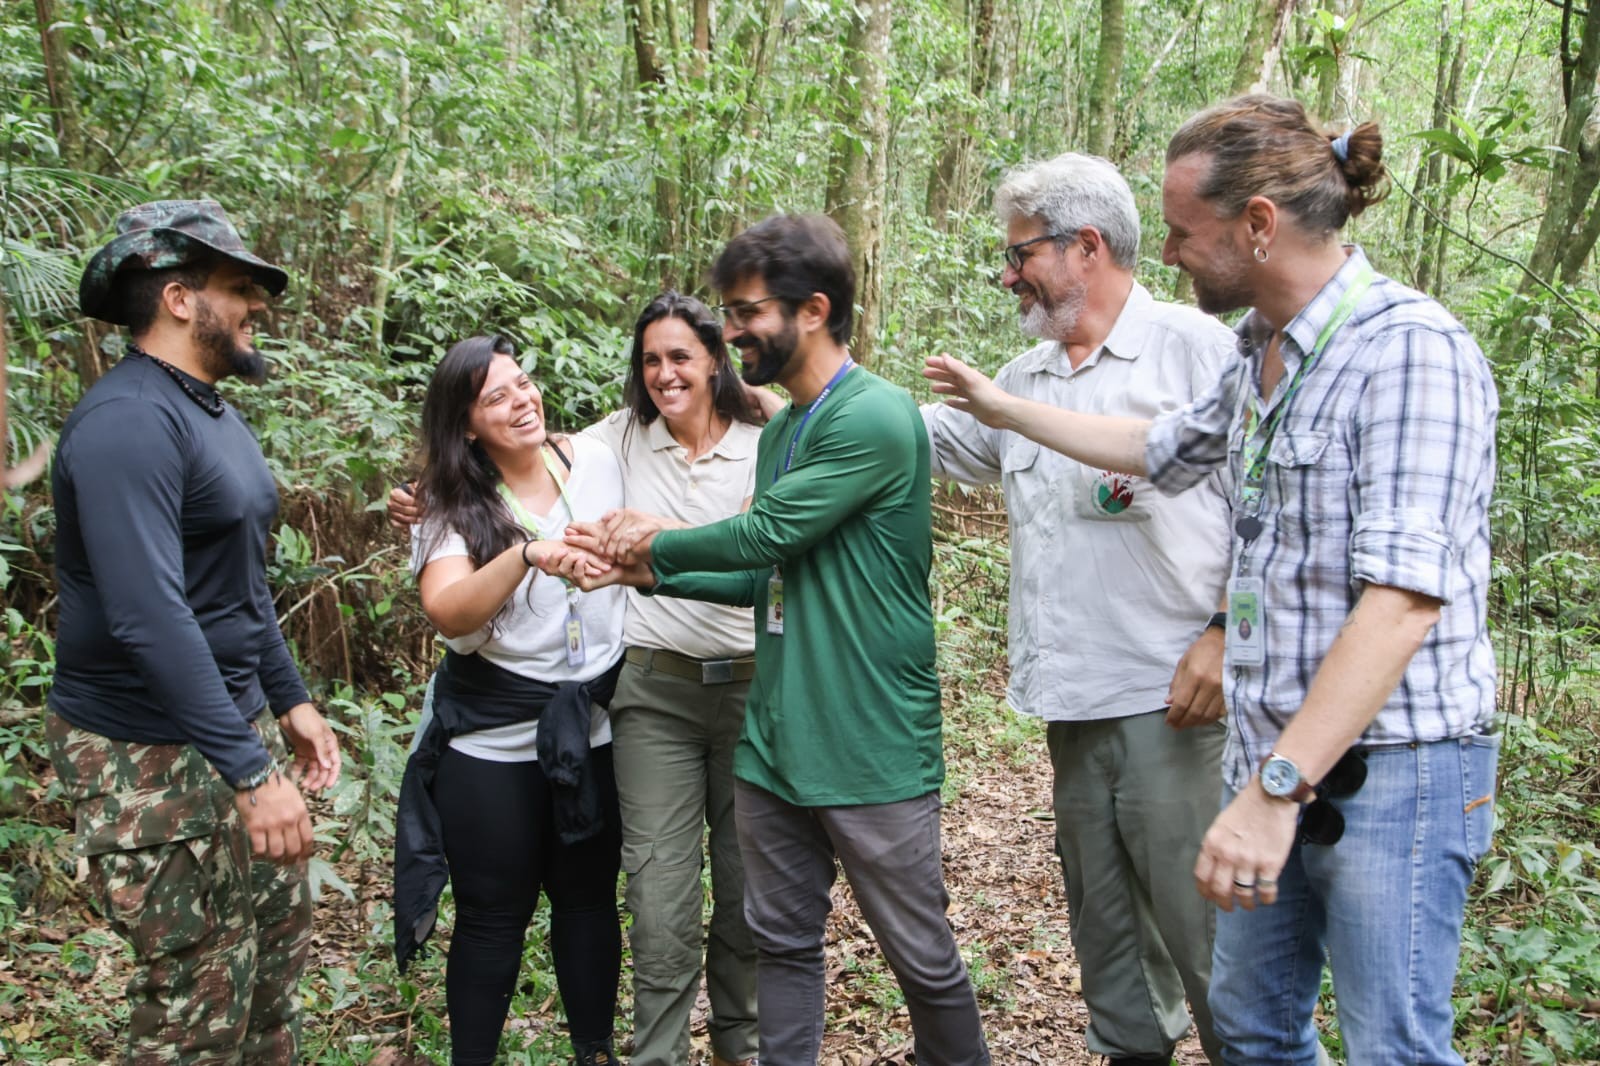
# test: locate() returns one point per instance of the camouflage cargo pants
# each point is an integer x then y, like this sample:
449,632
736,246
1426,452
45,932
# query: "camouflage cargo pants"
221,940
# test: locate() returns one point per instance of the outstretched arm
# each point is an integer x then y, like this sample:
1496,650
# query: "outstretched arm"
1102,441
460,598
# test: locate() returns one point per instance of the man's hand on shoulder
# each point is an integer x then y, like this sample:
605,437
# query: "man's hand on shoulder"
276,818
315,746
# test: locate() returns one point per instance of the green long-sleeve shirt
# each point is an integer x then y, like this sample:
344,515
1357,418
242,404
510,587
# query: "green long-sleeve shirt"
844,708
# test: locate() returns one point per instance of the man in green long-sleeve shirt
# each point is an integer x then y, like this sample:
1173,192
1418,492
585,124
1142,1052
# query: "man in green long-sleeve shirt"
841,750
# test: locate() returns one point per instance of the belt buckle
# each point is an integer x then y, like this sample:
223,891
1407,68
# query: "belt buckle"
716,671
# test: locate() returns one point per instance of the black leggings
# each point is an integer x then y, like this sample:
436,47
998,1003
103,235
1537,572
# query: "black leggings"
500,839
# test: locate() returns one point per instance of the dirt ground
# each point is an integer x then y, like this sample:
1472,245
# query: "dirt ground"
1006,895
1007,908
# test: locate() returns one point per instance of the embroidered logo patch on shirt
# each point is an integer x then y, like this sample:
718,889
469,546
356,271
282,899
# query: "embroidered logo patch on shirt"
1113,493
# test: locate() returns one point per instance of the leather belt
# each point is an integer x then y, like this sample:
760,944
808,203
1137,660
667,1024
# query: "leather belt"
705,671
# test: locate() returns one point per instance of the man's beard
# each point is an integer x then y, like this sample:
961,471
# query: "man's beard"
1223,288
220,353
1054,320
772,354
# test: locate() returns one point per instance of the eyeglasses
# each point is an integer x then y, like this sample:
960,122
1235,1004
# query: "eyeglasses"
1321,822
738,314
1013,252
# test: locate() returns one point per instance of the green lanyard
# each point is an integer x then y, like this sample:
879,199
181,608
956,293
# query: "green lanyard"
1254,451
521,513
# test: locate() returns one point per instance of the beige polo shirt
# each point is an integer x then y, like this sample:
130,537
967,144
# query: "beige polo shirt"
658,478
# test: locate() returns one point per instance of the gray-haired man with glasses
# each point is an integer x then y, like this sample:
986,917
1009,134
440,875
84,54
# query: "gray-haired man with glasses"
1112,587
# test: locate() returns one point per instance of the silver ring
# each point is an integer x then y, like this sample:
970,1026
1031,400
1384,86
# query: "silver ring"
1266,882
1245,886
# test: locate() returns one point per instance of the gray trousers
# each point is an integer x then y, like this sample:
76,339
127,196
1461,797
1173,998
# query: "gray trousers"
1132,799
673,741
891,855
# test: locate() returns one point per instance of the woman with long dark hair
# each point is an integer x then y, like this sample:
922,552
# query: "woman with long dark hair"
511,790
687,444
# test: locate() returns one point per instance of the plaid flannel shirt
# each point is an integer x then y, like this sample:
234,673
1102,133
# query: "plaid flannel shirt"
1380,473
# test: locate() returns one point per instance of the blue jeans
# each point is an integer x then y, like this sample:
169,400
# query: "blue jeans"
1385,904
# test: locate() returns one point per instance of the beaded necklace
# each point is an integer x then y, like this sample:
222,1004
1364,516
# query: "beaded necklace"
212,405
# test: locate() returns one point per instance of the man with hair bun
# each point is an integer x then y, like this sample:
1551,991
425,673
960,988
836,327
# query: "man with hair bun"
1358,425
1123,662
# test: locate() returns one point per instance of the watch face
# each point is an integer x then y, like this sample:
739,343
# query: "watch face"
1279,776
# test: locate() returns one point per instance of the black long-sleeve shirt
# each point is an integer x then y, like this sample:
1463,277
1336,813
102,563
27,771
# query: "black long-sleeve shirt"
168,633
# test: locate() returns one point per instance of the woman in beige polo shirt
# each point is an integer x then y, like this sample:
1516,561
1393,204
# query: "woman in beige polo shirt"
687,445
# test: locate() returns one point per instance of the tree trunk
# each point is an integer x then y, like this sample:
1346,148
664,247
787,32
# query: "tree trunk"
653,85
58,84
859,167
1263,44
1575,169
580,80
667,18
1107,76
391,203
701,42
1129,111
758,40
1453,95
513,31
1433,173
642,28
949,176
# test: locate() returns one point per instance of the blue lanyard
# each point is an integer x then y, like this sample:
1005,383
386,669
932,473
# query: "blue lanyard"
794,441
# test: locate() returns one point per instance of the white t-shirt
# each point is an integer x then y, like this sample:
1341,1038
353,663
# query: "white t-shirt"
532,639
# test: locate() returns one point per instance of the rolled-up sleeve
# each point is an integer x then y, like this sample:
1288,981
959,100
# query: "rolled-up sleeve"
1422,430
961,448
1185,445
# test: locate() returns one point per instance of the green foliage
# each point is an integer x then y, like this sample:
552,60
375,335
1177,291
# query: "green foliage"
1484,155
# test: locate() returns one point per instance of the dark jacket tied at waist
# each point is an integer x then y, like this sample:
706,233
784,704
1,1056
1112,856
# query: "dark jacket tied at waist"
470,693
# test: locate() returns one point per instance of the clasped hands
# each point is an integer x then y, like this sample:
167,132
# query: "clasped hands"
613,551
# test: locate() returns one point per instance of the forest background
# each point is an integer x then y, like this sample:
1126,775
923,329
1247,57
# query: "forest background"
541,167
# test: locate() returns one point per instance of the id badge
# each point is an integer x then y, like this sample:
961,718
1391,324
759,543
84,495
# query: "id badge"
576,655
1246,639
775,603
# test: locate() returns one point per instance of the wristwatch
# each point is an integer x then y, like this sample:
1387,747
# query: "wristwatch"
1281,779
1218,621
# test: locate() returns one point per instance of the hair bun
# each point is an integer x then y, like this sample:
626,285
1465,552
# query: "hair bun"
1361,163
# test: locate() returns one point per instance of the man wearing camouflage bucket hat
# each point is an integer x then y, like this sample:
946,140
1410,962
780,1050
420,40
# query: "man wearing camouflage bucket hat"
169,652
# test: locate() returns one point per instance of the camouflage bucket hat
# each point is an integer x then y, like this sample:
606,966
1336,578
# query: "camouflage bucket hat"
160,236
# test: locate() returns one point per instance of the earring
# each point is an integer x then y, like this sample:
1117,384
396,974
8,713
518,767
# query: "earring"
1260,254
